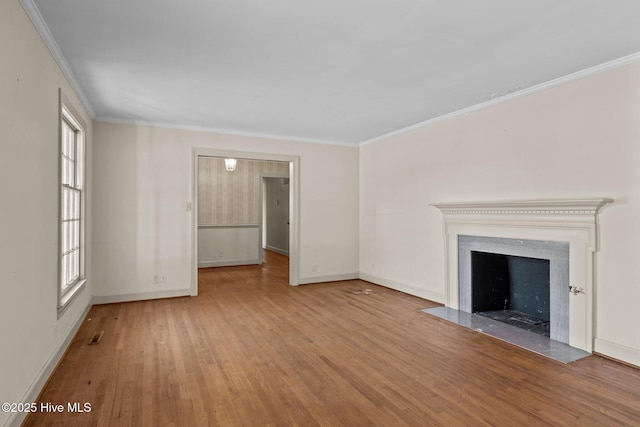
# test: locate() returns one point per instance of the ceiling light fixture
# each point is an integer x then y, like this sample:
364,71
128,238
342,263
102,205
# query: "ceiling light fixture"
230,164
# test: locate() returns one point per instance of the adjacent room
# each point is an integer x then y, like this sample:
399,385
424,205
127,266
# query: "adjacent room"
417,212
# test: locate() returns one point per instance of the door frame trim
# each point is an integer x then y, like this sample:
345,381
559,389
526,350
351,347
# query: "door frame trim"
294,205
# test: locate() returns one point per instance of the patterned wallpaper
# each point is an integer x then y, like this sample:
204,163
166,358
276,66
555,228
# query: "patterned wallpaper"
226,198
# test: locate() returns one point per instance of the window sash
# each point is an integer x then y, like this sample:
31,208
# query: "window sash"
71,245
70,238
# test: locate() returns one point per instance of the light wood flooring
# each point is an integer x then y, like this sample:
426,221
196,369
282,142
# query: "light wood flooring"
251,350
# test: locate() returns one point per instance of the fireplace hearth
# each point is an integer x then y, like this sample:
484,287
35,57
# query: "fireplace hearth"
520,320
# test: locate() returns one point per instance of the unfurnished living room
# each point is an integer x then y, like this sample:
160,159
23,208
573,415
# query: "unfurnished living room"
336,213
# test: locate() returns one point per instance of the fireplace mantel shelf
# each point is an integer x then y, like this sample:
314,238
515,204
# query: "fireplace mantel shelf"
535,207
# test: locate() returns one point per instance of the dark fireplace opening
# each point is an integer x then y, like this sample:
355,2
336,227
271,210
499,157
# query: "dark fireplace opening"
512,289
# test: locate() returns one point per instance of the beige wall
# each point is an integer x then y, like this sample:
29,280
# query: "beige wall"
32,335
226,198
578,140
144,180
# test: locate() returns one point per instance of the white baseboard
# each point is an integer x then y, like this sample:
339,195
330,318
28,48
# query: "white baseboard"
323,279
207,264
277,250
617,351
141,296
404,287
41,379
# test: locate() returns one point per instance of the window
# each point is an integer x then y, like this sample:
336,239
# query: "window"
72,198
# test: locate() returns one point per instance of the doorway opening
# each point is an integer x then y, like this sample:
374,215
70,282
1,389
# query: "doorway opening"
228,226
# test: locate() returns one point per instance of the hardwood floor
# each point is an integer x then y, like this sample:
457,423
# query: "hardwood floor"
250,351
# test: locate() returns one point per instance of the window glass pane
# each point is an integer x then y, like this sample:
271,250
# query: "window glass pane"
64,212
73,266
76,204
71,237
68,275
68,171
65,139
65,238
72,204
65,271
76,264
79,161
75,241
71,144
64,171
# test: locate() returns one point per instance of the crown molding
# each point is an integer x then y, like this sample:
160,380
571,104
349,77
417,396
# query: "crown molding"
221,131
607,66
38,22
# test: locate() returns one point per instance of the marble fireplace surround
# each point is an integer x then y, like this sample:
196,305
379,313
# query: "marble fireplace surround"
570,221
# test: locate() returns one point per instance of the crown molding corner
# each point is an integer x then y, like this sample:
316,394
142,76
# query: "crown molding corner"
43,29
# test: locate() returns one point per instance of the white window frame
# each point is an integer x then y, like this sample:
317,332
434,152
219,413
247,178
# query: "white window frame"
72,189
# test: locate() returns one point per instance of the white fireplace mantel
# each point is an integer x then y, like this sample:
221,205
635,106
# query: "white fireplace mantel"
578,210
574,221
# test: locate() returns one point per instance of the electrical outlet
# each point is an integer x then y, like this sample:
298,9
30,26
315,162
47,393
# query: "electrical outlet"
221,254
314,267
155,279
163,278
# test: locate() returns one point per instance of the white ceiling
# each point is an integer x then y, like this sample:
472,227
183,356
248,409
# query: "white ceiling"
339,71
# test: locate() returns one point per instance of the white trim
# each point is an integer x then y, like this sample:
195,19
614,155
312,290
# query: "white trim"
601,68
294,205
65,302
207,264
208,129
41,26
324,279
32,393
535,207
617,351
438,297
140,296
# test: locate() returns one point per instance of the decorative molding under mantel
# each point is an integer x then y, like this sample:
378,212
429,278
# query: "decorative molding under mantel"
534,207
